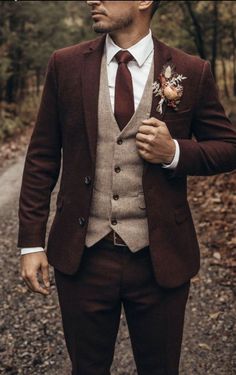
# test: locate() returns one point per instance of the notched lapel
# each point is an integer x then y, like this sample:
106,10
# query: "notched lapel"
161,57
90,91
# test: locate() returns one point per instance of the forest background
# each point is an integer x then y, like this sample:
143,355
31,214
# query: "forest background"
31,30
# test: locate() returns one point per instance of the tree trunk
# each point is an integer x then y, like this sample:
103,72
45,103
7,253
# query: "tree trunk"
198,36
1,93
226,89
11,89
215,37
234,73
234,60
224,70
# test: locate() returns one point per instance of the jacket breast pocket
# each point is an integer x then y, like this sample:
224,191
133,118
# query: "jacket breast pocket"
179,125
172,115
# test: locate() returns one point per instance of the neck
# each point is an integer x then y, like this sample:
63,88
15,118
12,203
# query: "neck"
125,39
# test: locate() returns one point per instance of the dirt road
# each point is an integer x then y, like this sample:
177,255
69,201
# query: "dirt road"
31,336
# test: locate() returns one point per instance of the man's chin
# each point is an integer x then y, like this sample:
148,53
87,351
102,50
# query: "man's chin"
100,28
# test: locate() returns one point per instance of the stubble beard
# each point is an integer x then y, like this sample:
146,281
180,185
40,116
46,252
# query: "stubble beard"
100,27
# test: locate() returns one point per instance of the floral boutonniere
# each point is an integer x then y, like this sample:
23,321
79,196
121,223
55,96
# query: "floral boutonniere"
169,88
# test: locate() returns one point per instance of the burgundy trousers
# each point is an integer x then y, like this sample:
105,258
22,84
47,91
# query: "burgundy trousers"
90,303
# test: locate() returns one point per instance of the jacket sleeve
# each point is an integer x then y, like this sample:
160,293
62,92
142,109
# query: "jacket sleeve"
213,150
42,166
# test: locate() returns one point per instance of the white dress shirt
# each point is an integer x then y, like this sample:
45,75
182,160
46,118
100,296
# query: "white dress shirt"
143,53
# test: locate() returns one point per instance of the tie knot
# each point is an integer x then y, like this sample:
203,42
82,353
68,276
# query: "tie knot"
123,57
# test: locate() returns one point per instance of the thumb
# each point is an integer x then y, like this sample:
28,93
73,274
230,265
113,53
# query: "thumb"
154,122
45,275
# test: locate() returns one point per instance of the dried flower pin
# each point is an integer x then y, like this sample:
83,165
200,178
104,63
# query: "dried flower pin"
169,88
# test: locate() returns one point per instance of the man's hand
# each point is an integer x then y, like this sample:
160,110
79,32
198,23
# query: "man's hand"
154,142
30,264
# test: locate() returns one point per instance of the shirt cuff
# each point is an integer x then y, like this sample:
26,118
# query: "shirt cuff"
175,161
28,250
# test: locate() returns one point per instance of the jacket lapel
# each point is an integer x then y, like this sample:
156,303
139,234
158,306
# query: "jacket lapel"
90,91
162,56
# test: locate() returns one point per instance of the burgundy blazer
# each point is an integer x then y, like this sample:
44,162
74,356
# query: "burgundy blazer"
67,121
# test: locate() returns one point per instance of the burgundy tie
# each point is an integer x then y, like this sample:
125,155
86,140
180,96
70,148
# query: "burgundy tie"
124,97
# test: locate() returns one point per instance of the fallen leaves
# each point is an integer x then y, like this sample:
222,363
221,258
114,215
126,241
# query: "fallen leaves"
215,315
202,345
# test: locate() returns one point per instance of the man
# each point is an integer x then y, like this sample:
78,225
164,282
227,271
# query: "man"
123,108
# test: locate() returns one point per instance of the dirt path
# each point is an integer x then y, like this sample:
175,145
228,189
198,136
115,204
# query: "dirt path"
31,336
10,181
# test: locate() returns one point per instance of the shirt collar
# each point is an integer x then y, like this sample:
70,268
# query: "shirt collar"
140,50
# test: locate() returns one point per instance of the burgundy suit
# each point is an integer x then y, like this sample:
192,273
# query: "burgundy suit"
67,119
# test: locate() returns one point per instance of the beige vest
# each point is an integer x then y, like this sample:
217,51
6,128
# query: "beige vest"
118,191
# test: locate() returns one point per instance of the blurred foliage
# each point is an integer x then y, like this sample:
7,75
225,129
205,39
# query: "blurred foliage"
205,28
10,122
31,30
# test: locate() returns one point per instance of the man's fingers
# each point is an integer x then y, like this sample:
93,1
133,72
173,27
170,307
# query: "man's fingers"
147,129
28,284
146,138
31,265
142,146
45,275
35,286
151,125
154,122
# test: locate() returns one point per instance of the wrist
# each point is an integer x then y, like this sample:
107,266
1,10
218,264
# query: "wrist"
171,154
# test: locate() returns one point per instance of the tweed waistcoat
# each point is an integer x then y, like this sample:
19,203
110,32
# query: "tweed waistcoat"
118,200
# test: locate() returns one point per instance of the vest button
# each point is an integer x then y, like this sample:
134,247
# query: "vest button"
114,221
117,169
87,180
81,221
116,197
120,141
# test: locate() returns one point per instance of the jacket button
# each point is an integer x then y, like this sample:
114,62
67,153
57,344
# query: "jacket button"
117,169
81,221
120,141
87,180
114,222
116,197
